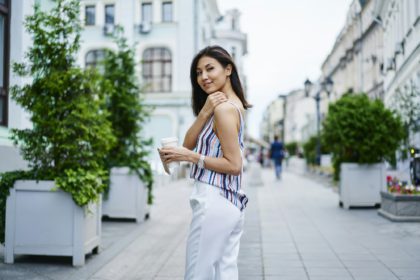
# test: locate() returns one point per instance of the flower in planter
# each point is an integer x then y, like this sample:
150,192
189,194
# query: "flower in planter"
401,187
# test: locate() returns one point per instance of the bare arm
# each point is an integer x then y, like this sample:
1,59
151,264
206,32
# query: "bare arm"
190,139
214,99
226,120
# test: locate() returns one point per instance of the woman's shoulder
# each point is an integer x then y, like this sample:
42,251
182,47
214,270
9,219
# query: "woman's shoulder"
228,106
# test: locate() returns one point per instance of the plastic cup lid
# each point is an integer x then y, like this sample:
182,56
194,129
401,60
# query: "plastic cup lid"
168,140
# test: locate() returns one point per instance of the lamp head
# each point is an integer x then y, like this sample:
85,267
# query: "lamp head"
328,84
308,86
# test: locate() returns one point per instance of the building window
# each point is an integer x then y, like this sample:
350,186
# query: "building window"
157,70
94,58
233,54
90,15
146,12
4,58
233,24
110,14
167,12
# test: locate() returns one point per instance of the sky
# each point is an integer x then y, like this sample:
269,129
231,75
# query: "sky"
287,42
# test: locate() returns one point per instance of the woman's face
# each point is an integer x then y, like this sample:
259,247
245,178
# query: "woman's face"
211,76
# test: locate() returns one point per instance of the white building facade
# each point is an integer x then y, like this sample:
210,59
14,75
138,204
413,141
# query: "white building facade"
273,120
355,63
14,43
300,117
165,34
401,23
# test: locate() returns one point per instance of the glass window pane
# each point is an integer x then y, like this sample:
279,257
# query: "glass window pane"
147,69
167,69
94,57
109,14
157,69
167,11
157,54
147,55
2,46
90,15
146,12
166,84
166,54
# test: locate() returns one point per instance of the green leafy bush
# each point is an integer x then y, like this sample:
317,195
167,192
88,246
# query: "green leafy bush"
362,131
291,148
71,134
127,112
309,149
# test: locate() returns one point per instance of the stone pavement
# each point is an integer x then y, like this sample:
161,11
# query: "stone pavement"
294,230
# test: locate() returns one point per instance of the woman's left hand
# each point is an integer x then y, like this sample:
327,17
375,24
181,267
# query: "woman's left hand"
170,154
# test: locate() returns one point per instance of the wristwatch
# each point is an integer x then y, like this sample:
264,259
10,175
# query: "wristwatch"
200,162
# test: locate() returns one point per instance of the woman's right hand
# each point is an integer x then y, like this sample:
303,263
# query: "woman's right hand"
213,100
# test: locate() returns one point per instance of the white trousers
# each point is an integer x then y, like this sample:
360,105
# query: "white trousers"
215,233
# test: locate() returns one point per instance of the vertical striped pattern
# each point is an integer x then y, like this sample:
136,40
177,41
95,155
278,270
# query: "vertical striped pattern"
208,144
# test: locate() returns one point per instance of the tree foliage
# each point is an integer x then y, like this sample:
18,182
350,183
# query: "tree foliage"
127,112
71,134
362,131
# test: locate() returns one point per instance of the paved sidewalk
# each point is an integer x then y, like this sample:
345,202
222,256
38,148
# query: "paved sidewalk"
294,230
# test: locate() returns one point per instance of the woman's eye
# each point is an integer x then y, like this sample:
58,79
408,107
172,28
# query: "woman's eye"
209,69
198,73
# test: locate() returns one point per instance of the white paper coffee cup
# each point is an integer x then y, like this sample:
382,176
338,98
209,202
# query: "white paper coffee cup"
170,142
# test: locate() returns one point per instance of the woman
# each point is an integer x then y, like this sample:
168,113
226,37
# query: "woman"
214,144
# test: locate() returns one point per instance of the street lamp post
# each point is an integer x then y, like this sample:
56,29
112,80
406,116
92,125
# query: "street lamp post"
326,86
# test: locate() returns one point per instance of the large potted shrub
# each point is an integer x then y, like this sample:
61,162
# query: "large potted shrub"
362,134
54,208
130,188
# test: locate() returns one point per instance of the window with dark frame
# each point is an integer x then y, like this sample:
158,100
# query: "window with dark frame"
94,58
167,15
146,12
90,15
110,14
157,70
4,59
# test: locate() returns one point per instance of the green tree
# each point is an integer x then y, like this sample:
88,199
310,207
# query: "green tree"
362,131
70,135
127,112
406,103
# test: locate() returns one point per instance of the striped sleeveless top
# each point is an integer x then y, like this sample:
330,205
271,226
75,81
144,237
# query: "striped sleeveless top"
208,144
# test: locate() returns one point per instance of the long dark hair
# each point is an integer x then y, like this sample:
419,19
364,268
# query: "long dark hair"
199,96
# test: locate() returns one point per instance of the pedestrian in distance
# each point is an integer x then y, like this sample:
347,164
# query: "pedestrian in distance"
214,145
277,154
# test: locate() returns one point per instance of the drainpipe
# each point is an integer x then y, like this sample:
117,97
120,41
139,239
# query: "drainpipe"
195,8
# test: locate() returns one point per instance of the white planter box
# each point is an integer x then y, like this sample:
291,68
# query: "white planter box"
361,184
127,196
40,221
